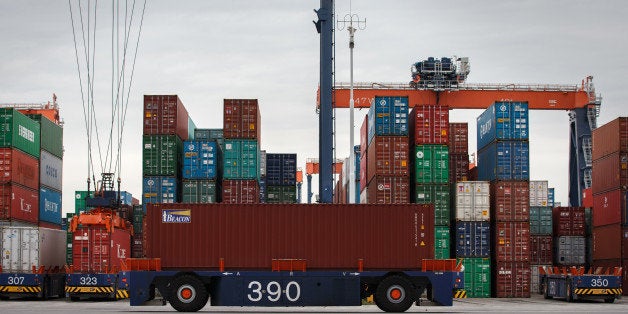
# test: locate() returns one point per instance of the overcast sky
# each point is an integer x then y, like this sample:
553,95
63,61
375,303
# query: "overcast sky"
206,51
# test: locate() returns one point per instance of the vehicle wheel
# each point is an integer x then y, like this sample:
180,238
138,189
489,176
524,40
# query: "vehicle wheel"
609,300
546,290
394,294
569,294
188,294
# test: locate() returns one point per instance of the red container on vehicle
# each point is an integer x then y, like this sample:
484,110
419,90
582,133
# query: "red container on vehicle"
610,138
610,172
241,119
429,124
19,203
364,135
388,190
165,115
511,279
541,249
587,198
97,249
363,165
240,191
19,167
387,156
607,242
510,201
327,236
609,208
568,221
458,138
512,241
458,167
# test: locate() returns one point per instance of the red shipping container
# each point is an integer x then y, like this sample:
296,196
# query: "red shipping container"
387,156
19,167
607,242
473,173
240,191
458,167
512,279
388,190
510,201
609,208
458,138
241,119
364,135
363,165
429,124
587,198
327,236
512,241
610,173
610,138
165,115
568,221
49,225
19,203
541,249
96,249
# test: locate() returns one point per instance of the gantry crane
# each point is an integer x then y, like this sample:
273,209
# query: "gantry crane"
312,166
48,109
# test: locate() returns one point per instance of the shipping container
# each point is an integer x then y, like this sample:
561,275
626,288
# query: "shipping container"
610,138
541,221
459,138
208,134
388,156
442,240
262,163
49,206
535,286
199,191
472,201
19,131
242,119
511,241
19,167
240,159
160,190
98,249
137,247
51,135
511,279
262,189
138,219
281,169
191,128
49,225
568,221
473,239
19,203
609,208
328,236
388,190
587,198
550,197
588,221
502,121
541,248
79,201
388,116
281,194
240,191
429,124
570,250
364,133
504,161
50,171
510,201
458,167
607,242
165,115
538,193
201,160
431,164
162,155
24,248
363,174
610,173
437,194
477,276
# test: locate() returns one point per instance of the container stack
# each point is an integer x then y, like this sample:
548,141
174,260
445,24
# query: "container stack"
387,152
68,239
201,177
262,176
137,246
281,182
503,159
541,240
357,155
241,171
458,152
429,137
569,236
361,189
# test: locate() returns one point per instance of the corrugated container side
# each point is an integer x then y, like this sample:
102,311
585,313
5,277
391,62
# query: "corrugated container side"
607,242
550,197
25,247
281,169
458,138
201,160
388,116
137,247
511,241
79,201
510,201
568,221
511,279
473,239
328,236
262,163
458,167
162,155
19,203
363,174
388,156
442,240
541,248
541,221
19,167
50,171
240,159
570,250
431,164
364,135
160,190
610,172
587,198
588,221
508,160
610,138
242,119
19,131
477,277
240,191
138,218
609,208
437,194
262,190
429,124
208,134
538,193
96,249
503,121
51,135
50,206
388,190
191,128
472,201
165,115
199,191
281,194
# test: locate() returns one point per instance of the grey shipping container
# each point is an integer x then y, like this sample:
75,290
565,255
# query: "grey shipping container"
51,170
570,250
23,247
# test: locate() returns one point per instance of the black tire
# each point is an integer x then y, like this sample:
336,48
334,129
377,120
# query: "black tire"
394,294
188,294
609,300
546,290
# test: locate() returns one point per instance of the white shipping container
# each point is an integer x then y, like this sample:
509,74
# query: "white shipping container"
538,193
51,170
473,202
25,247
262,163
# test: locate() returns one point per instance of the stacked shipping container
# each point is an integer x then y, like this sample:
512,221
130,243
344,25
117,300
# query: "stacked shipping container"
281,170
541,241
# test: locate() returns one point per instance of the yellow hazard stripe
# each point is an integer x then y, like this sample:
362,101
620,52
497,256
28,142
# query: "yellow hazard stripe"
20,289
122,294
71,289
460,294
597,291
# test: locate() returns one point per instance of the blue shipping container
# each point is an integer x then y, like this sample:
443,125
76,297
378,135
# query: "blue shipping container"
473,239
281,169
503,121
388,116
159,190
550,197
200,160
49,206
262,190
508,160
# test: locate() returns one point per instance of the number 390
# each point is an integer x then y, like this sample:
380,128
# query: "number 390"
273,288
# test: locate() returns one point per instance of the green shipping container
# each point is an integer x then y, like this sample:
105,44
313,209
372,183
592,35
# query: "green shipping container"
442,242
191,128
162,155
199,191
540,220
51,135
477,276
281,194
138,219
79,201
240,159
19,131
431,164
437,194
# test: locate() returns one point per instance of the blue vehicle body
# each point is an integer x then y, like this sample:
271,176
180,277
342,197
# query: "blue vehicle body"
44,286
575,285
88,286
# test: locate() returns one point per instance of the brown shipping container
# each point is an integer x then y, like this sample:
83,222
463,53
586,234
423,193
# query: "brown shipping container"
387,156
241,119
610,138
607,242
429,124
19,203
363,165
510,200
458,167
568,221
587,198
511,279
364,134
473,173
458,138
165,115
511,241
328,236
609,208
96,249
541,249
240,191
19,167
610,173
388,190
